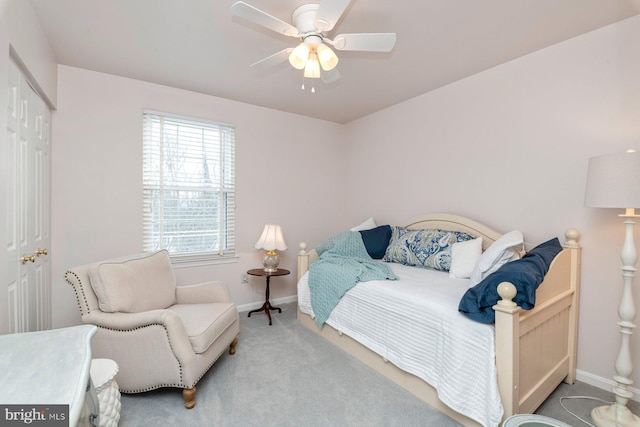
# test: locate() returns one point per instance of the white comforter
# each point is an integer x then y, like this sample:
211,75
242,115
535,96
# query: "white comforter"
414,323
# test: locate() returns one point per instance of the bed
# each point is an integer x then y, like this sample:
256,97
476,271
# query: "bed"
526,354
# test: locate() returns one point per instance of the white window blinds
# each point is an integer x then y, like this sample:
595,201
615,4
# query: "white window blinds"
189,187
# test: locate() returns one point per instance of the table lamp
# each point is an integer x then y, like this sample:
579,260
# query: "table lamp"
613,181
271,240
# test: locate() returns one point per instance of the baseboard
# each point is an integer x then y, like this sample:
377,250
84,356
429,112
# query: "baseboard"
256,305
603,383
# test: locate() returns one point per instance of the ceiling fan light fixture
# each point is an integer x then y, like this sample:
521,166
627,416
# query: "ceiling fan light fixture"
312,67
312,22
327,57
299,56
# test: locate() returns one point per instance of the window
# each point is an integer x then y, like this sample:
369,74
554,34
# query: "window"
188,187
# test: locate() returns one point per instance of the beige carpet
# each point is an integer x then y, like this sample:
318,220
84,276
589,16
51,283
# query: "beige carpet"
284,375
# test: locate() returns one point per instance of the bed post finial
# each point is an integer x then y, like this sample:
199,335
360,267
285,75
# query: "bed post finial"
571,235
303,260
508,292
508,348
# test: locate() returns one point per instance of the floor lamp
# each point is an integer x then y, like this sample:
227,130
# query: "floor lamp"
613,181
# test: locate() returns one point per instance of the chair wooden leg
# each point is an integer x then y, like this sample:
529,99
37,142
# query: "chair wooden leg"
232,347
189,395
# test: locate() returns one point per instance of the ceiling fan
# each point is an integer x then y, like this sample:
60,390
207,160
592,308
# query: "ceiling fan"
311,23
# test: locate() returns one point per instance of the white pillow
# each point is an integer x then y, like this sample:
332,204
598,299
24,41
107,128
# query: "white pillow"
503,250
366,225
464,257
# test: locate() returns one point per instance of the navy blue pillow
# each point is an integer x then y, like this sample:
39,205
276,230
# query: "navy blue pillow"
376,240
526,274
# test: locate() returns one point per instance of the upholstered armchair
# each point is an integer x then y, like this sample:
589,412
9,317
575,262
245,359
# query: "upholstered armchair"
160,334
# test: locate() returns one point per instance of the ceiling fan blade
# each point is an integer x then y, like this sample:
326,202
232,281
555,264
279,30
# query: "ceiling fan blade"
259,17
274,59
329,13
369,42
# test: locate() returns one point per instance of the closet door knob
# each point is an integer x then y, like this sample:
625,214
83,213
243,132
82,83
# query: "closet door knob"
42,252
26,258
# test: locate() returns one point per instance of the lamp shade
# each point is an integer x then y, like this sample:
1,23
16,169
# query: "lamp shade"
271,239
613,181
299,56
327,57
312,67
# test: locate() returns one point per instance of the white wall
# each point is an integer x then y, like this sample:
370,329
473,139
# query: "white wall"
509,147
287,168
20,32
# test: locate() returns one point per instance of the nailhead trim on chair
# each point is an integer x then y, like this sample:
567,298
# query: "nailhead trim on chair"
178,385
181,385
76,292
207,370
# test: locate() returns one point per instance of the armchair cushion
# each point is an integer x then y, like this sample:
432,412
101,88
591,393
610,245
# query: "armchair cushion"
141,283
213,291
204,323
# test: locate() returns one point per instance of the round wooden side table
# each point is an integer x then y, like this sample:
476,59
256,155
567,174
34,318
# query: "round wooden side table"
267,307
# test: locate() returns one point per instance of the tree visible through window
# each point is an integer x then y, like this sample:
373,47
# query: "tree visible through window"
189,187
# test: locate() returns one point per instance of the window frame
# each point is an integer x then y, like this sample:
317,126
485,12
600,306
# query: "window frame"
226,186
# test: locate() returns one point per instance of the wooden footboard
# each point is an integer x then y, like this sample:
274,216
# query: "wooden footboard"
535,350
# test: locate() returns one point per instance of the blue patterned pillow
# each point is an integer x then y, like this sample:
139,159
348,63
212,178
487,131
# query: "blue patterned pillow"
429,248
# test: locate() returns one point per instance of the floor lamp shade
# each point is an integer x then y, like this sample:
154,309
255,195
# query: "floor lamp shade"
613,181
271,241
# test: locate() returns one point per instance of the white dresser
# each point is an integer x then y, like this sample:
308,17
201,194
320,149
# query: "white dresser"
42,372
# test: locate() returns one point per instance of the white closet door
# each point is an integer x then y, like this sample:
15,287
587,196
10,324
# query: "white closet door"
28,207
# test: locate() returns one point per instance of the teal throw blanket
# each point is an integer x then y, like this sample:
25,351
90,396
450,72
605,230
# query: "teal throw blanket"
343,262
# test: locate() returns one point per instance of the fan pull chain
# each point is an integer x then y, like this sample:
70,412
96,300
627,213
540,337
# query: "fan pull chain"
313,86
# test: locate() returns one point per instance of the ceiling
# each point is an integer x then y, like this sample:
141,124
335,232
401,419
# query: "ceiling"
198,46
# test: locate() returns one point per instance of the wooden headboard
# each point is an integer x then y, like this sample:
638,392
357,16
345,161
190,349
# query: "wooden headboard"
445,221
